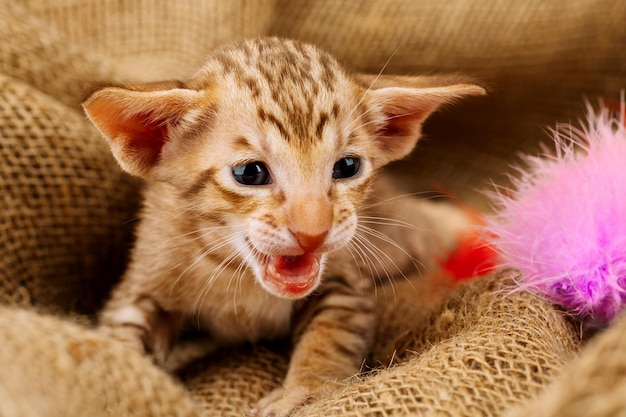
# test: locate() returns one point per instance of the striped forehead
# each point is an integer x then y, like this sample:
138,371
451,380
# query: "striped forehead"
296,127
293,86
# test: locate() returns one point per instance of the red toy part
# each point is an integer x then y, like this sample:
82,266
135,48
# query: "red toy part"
472,258
618,108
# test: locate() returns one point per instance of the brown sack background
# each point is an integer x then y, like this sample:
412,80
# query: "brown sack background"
67,212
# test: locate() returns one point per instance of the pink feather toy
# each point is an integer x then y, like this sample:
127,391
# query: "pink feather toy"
563,223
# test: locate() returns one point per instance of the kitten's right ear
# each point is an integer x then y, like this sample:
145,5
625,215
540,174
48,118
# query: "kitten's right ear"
403,104
138,122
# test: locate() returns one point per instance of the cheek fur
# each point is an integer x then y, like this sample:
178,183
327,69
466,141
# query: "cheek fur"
221,203
343,230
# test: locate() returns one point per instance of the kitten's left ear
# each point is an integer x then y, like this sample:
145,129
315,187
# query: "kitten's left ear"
139,121
404,103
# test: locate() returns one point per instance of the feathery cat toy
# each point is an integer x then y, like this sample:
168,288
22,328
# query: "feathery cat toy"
564,223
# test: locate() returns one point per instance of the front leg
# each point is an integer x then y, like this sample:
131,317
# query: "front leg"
334,333
136,319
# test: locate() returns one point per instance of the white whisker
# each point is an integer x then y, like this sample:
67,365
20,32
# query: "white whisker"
201,233
421,194
205,251
180,210
384,238
239,276
374,254
386,221
353,247
352,128
215,275
369,88
354,244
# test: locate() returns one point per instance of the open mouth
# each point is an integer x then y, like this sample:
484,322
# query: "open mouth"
292,276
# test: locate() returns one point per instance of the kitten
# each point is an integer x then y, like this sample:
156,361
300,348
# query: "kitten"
255,168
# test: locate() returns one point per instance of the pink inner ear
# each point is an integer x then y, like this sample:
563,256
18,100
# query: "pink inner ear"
143,138
400,125
137,139
399,133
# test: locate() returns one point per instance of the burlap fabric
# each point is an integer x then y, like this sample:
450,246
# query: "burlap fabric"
592,386
539,59
67,212
54,368
64,201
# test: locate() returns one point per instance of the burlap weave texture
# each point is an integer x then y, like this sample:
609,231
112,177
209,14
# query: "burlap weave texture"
64,204
475,352
594,384
66,210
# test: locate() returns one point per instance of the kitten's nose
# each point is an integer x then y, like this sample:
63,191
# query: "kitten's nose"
310,242
309,218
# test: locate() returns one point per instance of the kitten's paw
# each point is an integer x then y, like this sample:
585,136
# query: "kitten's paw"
281,402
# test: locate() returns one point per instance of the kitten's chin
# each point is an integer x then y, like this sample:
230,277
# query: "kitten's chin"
292,277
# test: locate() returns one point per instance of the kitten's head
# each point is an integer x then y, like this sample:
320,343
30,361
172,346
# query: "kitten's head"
275,141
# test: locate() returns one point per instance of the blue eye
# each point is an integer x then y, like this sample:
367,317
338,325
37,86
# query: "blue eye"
254,173
346,168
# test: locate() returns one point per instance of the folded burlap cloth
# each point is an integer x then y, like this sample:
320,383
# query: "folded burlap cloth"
474,352
67,212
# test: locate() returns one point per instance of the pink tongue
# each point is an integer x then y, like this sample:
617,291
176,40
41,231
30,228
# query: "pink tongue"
293,274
